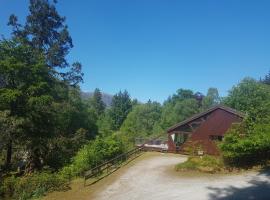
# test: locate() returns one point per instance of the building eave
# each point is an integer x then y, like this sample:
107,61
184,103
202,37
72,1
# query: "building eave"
199,115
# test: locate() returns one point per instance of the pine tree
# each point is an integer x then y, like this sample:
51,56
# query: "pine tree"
121,106
212,98
266,79
46,31
97,102
42,79
27,94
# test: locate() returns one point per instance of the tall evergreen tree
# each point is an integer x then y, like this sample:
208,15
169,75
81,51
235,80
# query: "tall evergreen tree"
212,98
97,103
10,128
141,120
46,31
28,94
266,79
121,106
35,81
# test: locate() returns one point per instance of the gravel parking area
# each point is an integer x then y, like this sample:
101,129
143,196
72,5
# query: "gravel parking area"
152,177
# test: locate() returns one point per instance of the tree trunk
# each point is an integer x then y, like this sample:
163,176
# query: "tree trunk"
34,162
9,154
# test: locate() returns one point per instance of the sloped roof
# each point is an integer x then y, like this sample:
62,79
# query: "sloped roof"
194,117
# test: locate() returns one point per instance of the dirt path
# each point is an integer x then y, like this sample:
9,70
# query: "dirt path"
152,177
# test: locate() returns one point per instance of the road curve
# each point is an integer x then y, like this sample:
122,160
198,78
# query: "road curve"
152,177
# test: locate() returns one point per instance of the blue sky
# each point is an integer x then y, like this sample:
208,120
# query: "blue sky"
154,47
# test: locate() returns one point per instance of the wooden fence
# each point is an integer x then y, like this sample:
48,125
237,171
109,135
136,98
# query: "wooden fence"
108,167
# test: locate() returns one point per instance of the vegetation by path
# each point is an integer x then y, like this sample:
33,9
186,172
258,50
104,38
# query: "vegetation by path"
209,164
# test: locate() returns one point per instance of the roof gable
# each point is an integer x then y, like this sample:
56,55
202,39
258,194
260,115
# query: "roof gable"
197,116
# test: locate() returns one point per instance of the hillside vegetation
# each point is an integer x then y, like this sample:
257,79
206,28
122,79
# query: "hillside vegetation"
49,134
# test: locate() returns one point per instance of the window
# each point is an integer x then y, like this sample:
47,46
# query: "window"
216,137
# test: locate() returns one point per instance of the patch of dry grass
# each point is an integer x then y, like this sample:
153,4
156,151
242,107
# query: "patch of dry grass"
208,164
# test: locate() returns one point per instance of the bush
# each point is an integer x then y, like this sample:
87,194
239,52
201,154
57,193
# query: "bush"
247,146
206,163
37,184
32,186
95,153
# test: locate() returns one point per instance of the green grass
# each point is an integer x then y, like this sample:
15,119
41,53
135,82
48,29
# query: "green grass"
209,164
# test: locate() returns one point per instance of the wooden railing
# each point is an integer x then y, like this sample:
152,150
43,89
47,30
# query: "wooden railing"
111,165
108,167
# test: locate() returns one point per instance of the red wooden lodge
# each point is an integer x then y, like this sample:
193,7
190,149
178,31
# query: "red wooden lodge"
202,130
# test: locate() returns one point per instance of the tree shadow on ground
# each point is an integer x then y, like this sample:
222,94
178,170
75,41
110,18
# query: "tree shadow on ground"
265,171
257,188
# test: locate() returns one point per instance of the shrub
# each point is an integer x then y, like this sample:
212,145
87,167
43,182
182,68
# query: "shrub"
37,184
32,186
95,153
190,164
246,146
205,163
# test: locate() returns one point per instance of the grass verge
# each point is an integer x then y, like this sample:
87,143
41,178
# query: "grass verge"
209,164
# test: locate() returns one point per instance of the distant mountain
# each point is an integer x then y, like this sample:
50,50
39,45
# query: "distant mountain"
106,98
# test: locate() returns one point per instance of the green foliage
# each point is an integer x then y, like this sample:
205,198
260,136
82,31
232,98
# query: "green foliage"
250,97
96,152
121,106
184,104
61,150
32,186
206,163
266,79
2,191
248,144
26,92
245,146
73,114
176,111
46,31
182,94
141,120
44,112
105,124
96,104
212,98
35,90
10,128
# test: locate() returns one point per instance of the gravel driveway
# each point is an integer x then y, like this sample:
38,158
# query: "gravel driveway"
153,179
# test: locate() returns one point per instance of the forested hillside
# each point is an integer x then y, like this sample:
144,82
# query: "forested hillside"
106,98
49,133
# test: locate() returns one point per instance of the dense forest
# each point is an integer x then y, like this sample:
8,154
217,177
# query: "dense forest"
49,133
